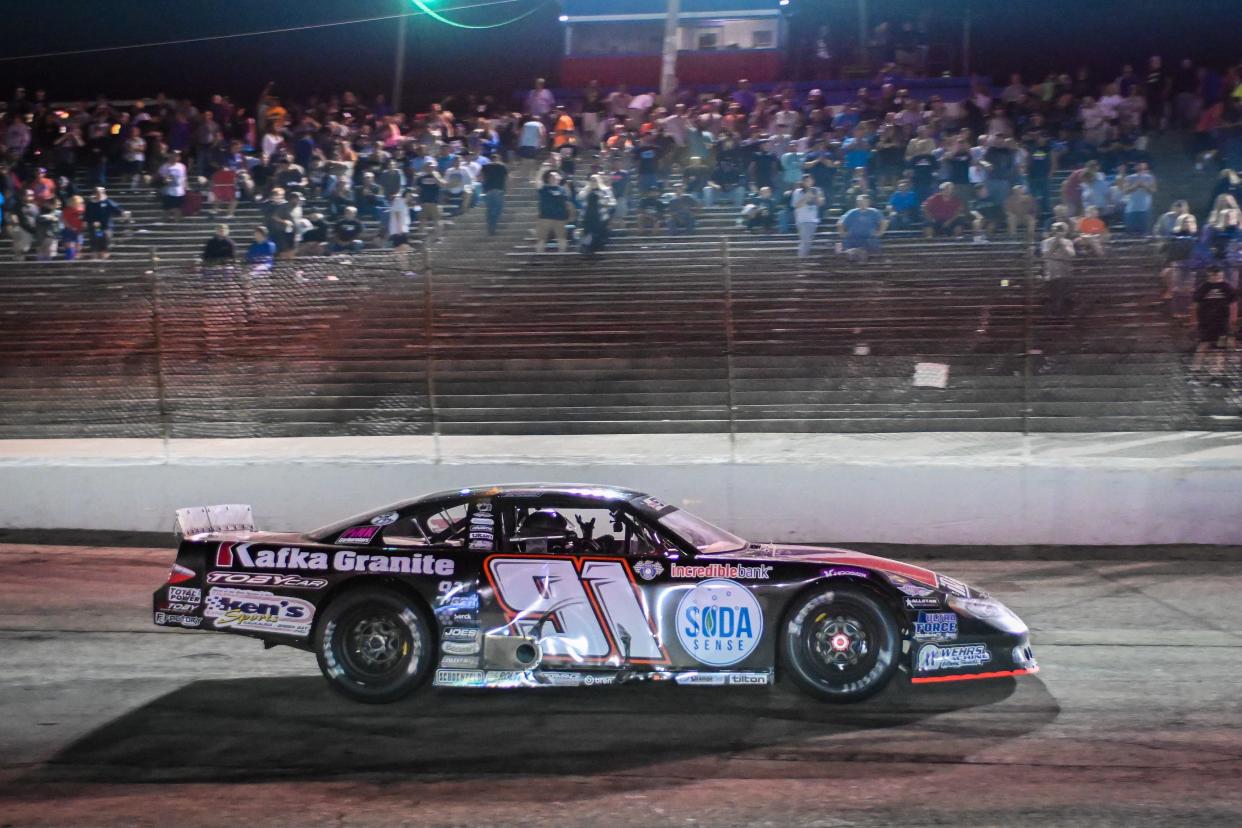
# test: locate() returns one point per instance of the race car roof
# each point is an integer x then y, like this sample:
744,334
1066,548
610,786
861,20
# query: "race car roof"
593,490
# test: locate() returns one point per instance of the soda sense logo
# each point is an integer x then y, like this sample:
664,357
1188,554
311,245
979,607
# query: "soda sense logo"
719,622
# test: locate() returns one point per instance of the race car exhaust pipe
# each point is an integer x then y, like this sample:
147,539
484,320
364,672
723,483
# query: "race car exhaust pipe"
510,652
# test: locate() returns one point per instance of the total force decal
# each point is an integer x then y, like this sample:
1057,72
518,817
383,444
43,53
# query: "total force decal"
719,622
584,609
247,609
241,555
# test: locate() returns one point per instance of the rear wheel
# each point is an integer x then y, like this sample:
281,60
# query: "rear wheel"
841,645
374,645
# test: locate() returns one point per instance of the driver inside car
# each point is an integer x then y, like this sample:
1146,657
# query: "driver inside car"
546,530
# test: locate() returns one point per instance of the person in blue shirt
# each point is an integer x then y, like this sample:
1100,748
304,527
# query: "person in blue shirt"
262,251
903,206
861,229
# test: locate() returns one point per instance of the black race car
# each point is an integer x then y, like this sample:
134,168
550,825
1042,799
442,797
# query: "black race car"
558,585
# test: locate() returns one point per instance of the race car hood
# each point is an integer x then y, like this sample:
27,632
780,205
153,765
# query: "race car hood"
829,555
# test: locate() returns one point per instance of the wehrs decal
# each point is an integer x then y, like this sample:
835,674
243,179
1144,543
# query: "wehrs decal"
246,609
932,658
719,622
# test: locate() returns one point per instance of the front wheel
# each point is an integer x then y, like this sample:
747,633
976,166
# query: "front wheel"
374,645
841,645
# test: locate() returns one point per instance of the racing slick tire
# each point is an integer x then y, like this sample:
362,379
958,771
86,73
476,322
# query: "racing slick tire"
840,645
374,645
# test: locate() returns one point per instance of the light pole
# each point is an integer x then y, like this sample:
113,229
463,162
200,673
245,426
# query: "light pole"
668,65
398,71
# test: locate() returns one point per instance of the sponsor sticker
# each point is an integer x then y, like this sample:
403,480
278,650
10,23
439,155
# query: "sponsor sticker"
166,618
416,564
933,657
461,634
460,647
483,506
936,626
487,536
450,661
506,677
248,609
481,544
459,678
358,534
649,570
761,572
265,579
953,585
185,595
845,572
558,679
654,503
180,607
929,602
719,622
386,519
710,679
748,678
598,680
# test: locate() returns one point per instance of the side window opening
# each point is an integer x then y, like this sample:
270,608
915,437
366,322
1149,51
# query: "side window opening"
434,526
566,528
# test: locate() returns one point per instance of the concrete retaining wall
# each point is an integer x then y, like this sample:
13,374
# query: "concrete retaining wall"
1132,488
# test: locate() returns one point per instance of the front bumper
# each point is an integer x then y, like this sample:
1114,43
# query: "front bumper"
994,656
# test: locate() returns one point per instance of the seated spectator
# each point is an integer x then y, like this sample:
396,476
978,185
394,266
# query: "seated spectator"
219,249
1021,211
342,196
1097,193
315,238
696,176
861,229
347,233
985,214
650,212
903,206
760,211
48,229
727,179
1092,232
945,213
1166,223
21,220
261,254
681,208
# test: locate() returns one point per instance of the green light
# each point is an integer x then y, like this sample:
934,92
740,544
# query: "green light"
426,8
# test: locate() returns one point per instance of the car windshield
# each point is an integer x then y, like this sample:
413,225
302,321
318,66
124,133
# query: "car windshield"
702,535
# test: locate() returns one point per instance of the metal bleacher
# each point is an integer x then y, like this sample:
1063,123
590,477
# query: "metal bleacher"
720,331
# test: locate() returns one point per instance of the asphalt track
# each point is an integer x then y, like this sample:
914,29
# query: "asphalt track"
1136,719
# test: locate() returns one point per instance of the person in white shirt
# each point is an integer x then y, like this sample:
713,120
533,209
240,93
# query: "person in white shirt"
173,189
540,101
806,199
399,219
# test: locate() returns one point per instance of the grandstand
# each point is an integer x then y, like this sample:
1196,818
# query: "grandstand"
715,332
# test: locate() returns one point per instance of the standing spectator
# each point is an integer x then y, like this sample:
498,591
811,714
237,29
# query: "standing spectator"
1041,165
430,220
399,220
219,249
533,138
74,218
806,200
261,254
495,176
22,218
861,229
555,211
1177,248
100,211
224,191
134,156
540,100
597,206
1156,89
173,180
1138,190
206,136
1058,254
1215,314
48,229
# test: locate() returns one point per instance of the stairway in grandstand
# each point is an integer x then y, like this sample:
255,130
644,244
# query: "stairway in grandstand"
654,335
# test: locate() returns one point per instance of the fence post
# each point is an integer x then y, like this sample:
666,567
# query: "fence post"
429,319
158,343
1028,323
727,267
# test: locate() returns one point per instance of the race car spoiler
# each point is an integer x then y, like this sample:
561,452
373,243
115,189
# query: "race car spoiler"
199,520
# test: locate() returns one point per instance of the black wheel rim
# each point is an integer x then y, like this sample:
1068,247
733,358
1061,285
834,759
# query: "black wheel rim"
842,644
377,644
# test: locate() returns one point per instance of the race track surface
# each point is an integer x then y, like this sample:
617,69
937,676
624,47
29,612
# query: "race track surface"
1135,719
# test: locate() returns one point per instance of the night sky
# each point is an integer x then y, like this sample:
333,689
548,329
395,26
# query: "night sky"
1031,35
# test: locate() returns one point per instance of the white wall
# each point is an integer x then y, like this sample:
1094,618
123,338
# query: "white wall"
927,488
